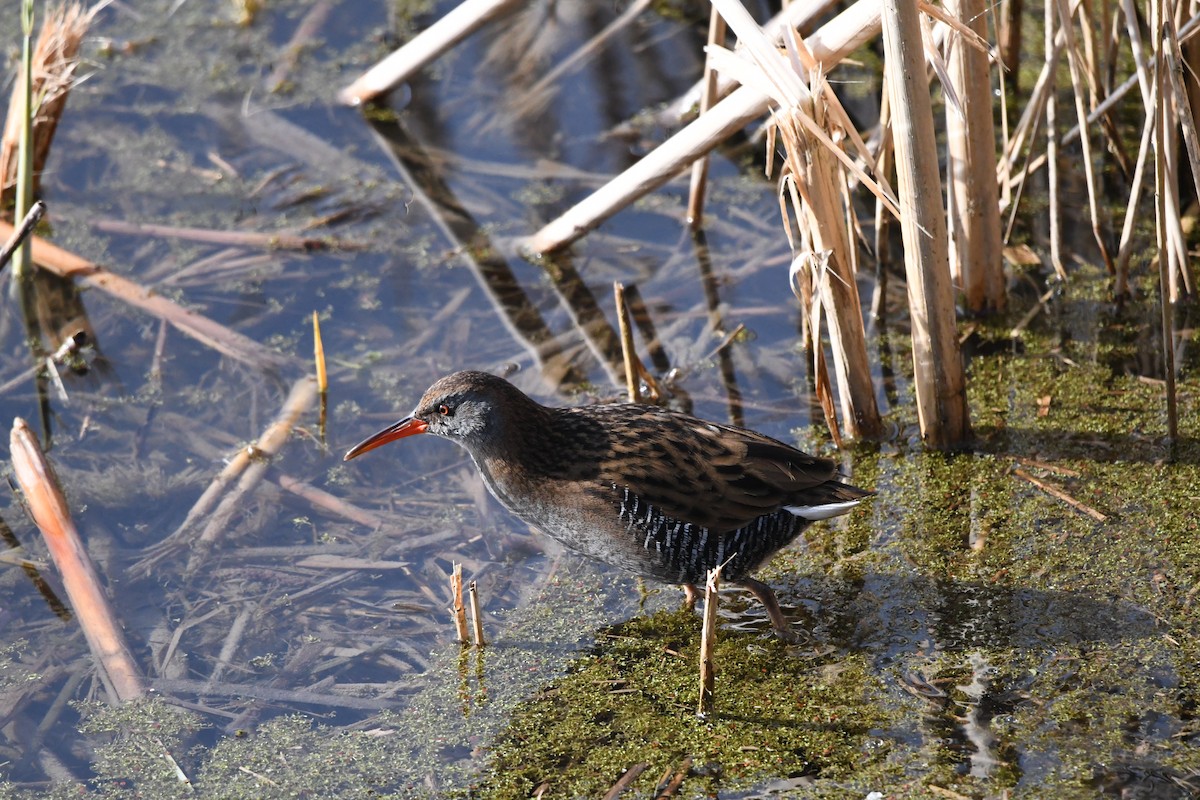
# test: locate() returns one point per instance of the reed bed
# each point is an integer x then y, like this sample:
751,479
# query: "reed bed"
953,248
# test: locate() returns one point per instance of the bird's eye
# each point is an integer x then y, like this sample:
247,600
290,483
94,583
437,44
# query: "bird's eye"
445,410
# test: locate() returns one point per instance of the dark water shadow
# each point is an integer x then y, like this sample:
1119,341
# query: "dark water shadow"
1056,444
898,615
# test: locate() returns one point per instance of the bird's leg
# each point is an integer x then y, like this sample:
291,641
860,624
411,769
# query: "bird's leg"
766,596
690,593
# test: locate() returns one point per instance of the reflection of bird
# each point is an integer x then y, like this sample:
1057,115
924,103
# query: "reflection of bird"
661,494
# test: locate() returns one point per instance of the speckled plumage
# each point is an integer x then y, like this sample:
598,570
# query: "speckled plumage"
652,491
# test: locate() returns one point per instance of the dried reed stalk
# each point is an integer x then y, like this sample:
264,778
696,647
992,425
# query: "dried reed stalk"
1143,66
676,781
581,54
822,217
793,16
884,158
1032,117
424,48
808,123
1011,14
1054,491
1166,151
829,45
259,454
1164,130
309,29
1002,174
937,360
807,275
54,64
22,110
625,781
1184,121
268,240
1098,217
1053,207
1125,247
1030,121
104,634
972,194
708,640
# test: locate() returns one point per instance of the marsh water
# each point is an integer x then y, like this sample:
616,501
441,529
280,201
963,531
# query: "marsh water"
968,632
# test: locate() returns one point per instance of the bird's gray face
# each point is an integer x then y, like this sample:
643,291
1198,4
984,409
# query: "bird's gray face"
462,417
470,408
465,417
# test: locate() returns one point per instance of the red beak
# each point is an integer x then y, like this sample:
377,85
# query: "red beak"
409,426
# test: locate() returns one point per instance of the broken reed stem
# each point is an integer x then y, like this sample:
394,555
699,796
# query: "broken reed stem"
708,638
673,785
260,453
457,609
267,240
1054,491
476,617
632,384
623,783
105,637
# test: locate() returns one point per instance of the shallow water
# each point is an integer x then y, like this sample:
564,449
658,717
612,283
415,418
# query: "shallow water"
967,631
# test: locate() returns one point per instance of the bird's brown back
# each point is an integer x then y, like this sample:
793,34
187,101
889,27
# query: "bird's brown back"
716,476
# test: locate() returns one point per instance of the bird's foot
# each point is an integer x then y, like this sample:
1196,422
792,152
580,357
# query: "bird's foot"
690,593
766,596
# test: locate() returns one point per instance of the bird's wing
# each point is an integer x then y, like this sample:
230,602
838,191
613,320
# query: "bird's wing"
719,476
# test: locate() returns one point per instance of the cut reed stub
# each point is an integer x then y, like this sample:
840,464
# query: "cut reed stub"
476,617
708,638
457,609
937,360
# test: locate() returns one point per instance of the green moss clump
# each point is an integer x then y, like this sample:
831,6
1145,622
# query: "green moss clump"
633,700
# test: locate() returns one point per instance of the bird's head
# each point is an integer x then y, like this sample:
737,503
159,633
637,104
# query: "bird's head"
473,409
